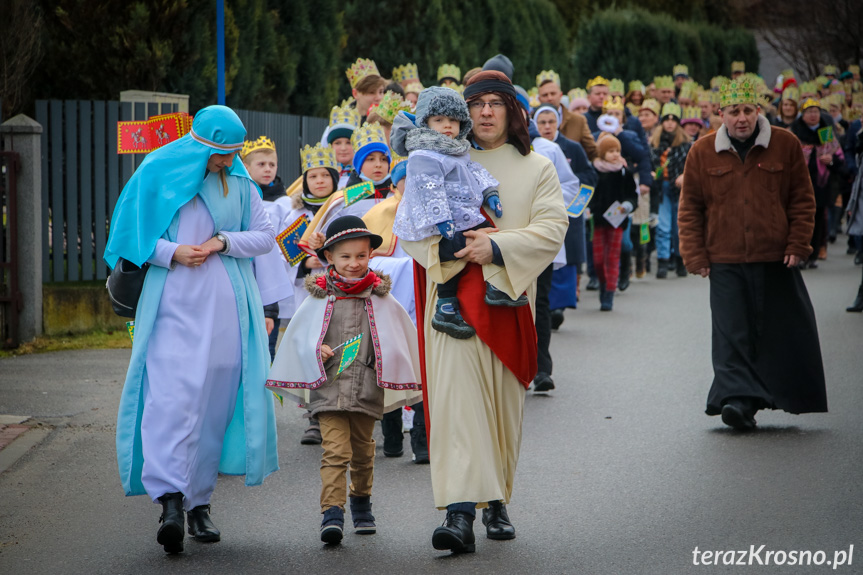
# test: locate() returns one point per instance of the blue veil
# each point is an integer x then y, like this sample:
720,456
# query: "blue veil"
166,180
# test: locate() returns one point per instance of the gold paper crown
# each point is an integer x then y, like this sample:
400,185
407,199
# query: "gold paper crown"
740,91
612,103
458,88
449,71
688,90
317,157
663,82
360,69
414,88
702,95
671,109
547,76
344,116
738,66
406,73
652,105
856,86
857,98
833,100
615,86
787,73
822,80
809,103
576,93
791,93
691,113
368,134
808,88
765,101
681,70
598,81
390,105
636,86
633,108
831,70
854,68
261,144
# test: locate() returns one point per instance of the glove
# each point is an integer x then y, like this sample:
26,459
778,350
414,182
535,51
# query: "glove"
494,203
447,229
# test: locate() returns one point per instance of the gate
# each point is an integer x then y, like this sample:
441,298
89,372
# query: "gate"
10,296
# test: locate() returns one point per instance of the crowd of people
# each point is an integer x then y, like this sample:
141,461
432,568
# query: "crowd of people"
415,272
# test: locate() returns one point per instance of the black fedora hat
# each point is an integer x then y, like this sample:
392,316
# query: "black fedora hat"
347,228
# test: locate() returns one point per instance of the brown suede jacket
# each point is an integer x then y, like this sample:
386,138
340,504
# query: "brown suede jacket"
759,210
574,126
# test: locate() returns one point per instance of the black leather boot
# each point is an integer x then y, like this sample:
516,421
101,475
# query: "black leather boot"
419,440
857,306
739,413
201,526
456,533
171,532
625,271
496,521
661,269
391,426
680,268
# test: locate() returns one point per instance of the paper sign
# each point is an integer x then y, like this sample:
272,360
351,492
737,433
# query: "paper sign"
615,214
287,240
358,192
349,353
645,233
825,135
580,201
146,136
130,326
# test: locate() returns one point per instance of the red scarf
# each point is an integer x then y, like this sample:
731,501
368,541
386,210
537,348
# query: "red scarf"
350,286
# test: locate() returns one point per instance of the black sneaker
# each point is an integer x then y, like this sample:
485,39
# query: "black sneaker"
494,296
556,319
448,320
592,284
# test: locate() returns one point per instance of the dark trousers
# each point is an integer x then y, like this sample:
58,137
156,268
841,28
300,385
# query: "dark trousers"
819,233
543,320
273,337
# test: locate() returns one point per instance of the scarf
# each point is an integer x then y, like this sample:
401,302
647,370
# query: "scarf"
274,191
608,167
428,139
350,286
310,200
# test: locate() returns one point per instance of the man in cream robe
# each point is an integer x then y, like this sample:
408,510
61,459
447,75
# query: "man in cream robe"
476,396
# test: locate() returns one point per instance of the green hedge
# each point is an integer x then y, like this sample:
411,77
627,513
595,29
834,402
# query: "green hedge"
635,44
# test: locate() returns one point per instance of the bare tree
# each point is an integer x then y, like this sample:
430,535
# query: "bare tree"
20,51
812,34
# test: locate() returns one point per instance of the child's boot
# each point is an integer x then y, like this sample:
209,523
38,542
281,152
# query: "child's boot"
361,513
333,526
448,320
494,296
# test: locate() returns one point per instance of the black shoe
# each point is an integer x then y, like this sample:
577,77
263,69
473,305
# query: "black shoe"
680,268
201,526
858,259
625,271
456,533
171,532
419,440
312,434
857,306
661,269
333,526
494,296
361,514
496,521
739,414
556,319
592,284
391,426
606,300
851,251
542,383
448,320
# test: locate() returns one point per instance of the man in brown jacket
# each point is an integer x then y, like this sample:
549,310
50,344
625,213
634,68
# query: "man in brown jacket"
573,126
746,217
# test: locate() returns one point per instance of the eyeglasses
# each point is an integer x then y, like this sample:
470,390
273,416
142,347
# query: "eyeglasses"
495,106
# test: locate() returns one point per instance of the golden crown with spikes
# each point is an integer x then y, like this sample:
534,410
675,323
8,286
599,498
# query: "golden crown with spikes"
717,81
809,88
458,88
681,70
261,144
633,108
740,91
405,73
831,70
765,101
857,98
637,86
390,105
738,66
598,81
822,80
368,134
449,71
787,73
349,101
652,105
576,93
612,103
663,82
671,109
854,68
810,103
360,69
414,88
688,90
691,113
344,116
702,95
547,76
317,157
791,93
615,86
396,159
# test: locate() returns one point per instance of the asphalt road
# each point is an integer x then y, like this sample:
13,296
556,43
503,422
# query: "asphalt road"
621,472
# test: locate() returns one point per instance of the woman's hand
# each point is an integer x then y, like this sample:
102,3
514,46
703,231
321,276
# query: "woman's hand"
270,323
213,245
326,352
826,159
190,256
313,263
316,241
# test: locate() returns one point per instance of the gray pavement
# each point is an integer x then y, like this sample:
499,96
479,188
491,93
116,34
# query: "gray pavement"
620,472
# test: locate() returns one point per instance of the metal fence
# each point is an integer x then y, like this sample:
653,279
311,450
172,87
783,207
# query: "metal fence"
82,174
10,295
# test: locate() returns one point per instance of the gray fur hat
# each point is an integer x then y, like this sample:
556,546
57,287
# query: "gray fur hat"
440,101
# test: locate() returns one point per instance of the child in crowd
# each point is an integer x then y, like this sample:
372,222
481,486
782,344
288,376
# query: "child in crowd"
615,184
444,191
348,302
344,120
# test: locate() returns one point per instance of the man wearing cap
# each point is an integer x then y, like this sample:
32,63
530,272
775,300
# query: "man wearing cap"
573,126
746,217
475,387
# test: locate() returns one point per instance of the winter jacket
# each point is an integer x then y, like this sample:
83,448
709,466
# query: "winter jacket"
636,154
356,388
612,187
672,166
759,210
578,161
826,180
575,127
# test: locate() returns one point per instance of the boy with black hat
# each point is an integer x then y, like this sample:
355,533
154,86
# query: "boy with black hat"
349,307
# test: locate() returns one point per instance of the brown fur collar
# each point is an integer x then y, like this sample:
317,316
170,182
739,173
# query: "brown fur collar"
316,291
